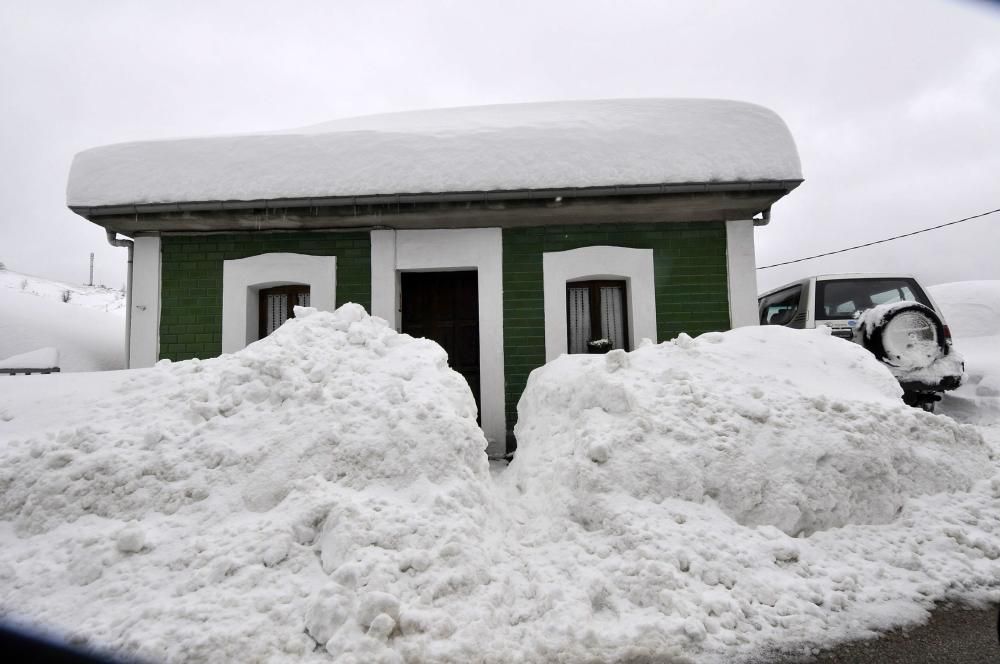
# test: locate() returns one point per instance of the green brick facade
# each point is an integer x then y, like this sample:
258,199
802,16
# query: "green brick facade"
692,295
689,261
191,280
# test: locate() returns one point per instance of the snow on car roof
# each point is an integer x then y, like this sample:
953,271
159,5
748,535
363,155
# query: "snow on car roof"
483,148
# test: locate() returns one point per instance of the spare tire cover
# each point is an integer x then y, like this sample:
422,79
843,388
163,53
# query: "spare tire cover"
909,336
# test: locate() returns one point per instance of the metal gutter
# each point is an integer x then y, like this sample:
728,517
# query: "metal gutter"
115,242
484,197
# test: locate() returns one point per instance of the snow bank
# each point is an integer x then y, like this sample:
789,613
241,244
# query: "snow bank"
768,441
483,148
323,496
43,358
258,502
88,331
972,309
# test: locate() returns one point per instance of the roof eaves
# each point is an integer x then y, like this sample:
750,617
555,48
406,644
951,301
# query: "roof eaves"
444,197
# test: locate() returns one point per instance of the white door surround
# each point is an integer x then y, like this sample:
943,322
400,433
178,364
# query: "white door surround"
243,278
479,249
635,266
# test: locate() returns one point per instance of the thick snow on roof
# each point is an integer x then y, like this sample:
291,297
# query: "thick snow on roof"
483,148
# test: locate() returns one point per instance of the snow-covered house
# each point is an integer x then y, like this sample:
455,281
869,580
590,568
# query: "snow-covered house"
510,234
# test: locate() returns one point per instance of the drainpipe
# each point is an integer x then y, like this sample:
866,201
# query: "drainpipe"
115,242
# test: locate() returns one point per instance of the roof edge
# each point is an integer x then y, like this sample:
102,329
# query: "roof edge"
90,211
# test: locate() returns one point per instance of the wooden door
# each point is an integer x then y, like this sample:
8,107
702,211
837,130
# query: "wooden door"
444,307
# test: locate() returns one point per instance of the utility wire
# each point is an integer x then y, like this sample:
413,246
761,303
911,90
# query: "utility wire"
888,239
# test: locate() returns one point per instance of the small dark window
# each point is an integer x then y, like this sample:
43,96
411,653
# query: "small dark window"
595,311
779,308
276,306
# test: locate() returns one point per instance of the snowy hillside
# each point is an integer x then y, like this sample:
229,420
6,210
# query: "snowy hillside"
323,496
88,330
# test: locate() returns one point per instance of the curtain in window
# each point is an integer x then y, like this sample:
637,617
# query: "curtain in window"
612,316
579,319
277,312
302,299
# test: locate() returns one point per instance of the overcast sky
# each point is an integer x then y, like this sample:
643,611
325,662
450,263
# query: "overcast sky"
895,105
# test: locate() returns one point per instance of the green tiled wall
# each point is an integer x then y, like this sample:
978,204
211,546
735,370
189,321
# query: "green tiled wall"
689,260
191,278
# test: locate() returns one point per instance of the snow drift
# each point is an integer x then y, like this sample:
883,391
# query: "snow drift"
482,148
88,331
196,517
972,309
323,495
812,441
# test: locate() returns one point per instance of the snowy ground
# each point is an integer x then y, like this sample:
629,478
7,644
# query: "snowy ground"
323,496
88,331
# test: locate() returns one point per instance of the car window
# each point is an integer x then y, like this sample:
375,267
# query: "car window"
779,308
844,298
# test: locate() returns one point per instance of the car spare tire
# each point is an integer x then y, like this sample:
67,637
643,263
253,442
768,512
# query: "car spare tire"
908,335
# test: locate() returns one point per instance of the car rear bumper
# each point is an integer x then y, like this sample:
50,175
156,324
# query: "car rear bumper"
943,385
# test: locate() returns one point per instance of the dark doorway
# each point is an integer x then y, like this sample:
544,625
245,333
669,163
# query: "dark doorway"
444,307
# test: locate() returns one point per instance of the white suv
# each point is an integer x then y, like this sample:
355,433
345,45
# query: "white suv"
890,314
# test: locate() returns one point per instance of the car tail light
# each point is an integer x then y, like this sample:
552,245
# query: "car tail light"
947,333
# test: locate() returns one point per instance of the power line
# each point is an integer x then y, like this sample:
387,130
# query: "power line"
888,239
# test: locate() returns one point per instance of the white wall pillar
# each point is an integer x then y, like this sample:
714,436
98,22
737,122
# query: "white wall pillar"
384,276
144,343
741,266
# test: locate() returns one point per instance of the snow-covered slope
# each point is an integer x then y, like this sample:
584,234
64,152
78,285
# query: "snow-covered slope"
323,495
88,331
972,309
483,148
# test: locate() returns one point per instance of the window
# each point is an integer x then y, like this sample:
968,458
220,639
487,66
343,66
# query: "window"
595,310
844,298
780,308
276,306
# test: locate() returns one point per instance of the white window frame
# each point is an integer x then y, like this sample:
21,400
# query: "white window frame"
634,266
242,279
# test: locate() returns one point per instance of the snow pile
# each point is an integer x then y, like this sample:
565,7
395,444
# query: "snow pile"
258,502
323,495
768,442
972,310
88,330
666,483
483,148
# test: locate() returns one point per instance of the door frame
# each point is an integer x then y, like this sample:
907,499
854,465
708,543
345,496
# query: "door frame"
441,250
